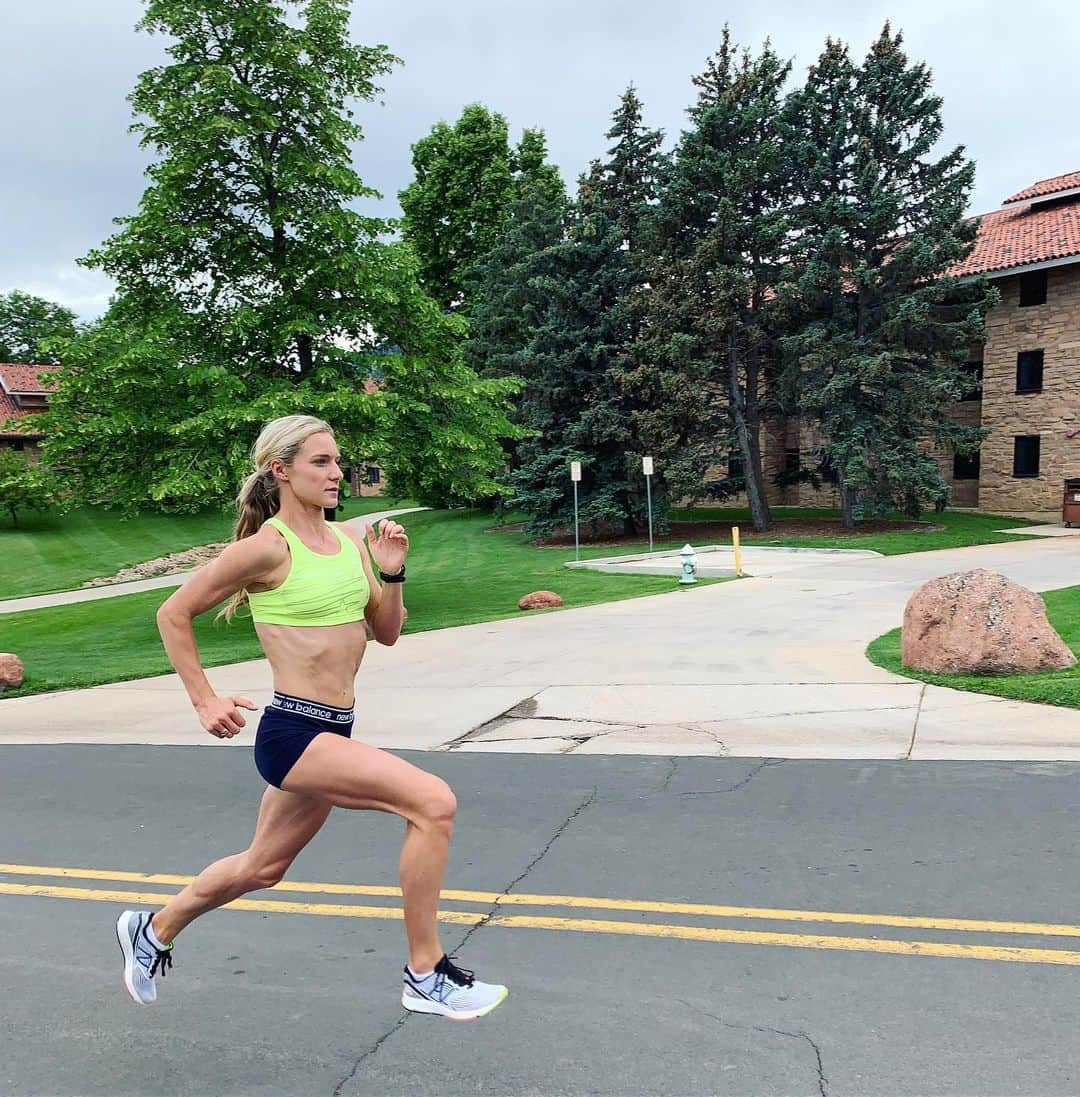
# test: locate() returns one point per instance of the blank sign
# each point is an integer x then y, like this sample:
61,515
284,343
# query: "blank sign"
575,470
646,465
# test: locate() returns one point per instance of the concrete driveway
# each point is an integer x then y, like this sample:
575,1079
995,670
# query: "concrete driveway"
764,667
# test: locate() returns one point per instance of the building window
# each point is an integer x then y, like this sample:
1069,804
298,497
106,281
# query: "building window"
974,371
1029,371
1032,288
1026,455
965,466
734,466
373,474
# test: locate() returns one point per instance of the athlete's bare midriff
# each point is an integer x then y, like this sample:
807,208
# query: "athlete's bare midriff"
318,662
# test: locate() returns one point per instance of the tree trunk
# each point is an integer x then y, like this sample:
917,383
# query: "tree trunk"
847,500
304,352
744,409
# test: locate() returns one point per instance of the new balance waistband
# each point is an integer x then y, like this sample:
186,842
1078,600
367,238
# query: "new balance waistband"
303,707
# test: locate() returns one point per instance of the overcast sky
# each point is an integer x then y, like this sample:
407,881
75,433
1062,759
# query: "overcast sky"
1004,69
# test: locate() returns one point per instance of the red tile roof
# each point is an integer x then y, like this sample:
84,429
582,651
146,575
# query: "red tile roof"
22,378
9,412
1021,237
1045,187
1026,232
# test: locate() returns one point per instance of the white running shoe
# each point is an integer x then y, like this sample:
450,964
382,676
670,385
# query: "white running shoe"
450,992
142,958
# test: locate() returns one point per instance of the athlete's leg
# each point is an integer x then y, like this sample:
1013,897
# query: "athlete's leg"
354,775
287,822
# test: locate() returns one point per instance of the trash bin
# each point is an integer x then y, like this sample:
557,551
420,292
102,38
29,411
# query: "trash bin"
1070,509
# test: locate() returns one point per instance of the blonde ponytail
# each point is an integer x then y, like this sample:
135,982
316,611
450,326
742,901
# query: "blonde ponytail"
259,497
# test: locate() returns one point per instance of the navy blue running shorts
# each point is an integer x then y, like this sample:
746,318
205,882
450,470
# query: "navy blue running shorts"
288,724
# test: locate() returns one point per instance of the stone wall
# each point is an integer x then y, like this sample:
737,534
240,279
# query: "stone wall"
963,493
1052,414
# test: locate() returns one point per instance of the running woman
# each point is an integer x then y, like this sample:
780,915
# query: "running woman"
312,594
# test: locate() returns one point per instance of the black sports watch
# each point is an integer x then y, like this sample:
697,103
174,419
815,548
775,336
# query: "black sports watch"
398,578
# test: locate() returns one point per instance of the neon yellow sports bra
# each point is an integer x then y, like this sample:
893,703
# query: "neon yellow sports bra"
319,590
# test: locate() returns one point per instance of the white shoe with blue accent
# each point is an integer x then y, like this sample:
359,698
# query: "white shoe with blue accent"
451,992
143,959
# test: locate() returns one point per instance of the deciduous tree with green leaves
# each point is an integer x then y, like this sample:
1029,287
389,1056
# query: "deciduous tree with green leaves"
467,177
880,328
23,486
28,323
248,286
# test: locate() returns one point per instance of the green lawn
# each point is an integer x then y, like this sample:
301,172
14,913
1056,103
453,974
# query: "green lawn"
458,574
1055,687
961,529
48,552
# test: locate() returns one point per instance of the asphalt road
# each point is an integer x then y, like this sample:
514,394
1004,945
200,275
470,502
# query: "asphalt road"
743,997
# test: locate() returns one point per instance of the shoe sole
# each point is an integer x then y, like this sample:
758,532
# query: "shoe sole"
124,941
436,1009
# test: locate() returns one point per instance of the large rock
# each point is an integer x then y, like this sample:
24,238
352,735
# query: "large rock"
979,622
11,671
540,599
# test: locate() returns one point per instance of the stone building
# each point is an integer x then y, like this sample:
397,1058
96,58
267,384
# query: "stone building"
1026,378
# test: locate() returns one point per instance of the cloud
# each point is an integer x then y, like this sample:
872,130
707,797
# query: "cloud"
71,166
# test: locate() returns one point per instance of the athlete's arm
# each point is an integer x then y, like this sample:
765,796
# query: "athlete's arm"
241,564
385,611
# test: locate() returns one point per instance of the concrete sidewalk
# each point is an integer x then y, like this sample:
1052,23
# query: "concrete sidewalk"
718,561
765,667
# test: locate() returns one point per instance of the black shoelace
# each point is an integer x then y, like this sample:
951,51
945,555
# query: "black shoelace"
162,959
162,963
449,970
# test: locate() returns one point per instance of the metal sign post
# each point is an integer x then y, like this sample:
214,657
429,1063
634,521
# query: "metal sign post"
575,475
646,467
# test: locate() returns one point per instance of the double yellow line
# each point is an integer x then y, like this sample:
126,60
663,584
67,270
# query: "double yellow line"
671,930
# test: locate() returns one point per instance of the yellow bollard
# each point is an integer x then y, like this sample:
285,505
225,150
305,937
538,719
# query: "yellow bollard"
738,551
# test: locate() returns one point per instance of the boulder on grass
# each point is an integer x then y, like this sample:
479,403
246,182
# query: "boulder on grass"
979,622
11,671
540,599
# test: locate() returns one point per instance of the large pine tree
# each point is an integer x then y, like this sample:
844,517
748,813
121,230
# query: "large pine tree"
575,327
881,329
717,239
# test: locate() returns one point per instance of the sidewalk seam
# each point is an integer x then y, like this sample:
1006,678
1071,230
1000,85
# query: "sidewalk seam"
915,726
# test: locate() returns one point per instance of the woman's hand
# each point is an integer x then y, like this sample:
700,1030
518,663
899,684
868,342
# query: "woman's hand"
389,549
221,715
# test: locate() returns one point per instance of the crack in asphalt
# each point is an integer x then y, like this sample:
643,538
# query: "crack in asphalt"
768,763
674,763
586,803
367,1055
822,1081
